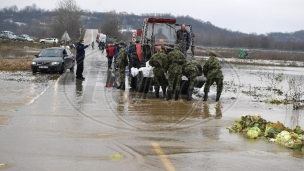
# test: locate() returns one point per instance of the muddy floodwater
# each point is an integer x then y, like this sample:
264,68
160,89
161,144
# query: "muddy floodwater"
55,122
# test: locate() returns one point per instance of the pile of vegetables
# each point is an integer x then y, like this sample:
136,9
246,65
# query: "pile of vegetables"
255,127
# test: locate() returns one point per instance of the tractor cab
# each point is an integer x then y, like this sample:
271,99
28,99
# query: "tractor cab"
154,33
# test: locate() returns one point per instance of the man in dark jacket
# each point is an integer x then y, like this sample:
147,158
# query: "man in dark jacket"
101,46
80,58
183,38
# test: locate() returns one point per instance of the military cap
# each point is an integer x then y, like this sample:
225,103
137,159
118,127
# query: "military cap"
121,42
212,54
176,46
163,47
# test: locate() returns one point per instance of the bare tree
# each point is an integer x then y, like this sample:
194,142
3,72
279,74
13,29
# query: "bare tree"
112,23
66,17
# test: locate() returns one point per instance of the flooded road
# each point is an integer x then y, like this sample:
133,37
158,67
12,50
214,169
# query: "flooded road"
55,122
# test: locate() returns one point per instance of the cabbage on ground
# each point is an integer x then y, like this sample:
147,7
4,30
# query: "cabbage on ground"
255,127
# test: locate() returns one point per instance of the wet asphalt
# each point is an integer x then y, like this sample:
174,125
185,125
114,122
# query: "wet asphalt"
55,122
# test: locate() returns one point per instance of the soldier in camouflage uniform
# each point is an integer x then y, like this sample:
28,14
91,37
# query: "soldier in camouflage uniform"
176,60
122,63
213,73
191,70
159,61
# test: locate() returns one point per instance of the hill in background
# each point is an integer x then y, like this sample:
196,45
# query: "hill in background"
34,21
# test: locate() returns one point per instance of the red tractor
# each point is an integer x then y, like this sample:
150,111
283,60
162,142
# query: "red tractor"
154,33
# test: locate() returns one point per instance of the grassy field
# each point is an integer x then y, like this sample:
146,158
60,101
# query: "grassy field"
16,64
18,45
253,53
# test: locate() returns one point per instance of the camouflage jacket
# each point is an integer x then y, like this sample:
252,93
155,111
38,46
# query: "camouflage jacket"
159,60
176,60
192,67
122,57
212,68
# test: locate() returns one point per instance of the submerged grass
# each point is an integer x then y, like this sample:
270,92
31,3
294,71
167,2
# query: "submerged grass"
255,54
16,64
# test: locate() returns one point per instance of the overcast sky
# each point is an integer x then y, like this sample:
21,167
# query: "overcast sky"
247,16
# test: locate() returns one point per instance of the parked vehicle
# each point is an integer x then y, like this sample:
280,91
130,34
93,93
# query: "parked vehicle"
6,32
1,35
24,37
8,36
55,59
48,40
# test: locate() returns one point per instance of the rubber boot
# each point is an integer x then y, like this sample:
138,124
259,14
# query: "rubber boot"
218,95
189,94
122,86
176,95
157,92
164,92
169,95
205,96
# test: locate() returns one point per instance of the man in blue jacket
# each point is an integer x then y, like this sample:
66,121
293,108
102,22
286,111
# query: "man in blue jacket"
80,58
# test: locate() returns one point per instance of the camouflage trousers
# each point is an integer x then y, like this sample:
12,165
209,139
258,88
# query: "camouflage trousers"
192,80
210,81
159,79
174,80
122,73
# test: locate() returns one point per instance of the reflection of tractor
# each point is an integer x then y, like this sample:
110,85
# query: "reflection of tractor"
154,33
243,54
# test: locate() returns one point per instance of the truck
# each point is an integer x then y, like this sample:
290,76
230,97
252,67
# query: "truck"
101,37
149,42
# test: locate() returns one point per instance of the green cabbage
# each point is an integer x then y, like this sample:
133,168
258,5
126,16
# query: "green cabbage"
253,132
298,129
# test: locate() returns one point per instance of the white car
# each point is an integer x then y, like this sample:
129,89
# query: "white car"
48,40
24,37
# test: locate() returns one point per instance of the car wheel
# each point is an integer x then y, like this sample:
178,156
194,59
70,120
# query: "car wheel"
34,71
62,69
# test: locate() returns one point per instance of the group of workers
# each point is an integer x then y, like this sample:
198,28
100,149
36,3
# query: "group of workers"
168,68
173,65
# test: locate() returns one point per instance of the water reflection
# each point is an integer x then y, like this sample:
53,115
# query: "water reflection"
207,113
292,119
79,88
159,111
123,102
79,94
218,110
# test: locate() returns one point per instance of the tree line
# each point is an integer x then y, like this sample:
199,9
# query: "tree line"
68,16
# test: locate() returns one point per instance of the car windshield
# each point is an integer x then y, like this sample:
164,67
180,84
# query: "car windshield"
50,53
164,33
